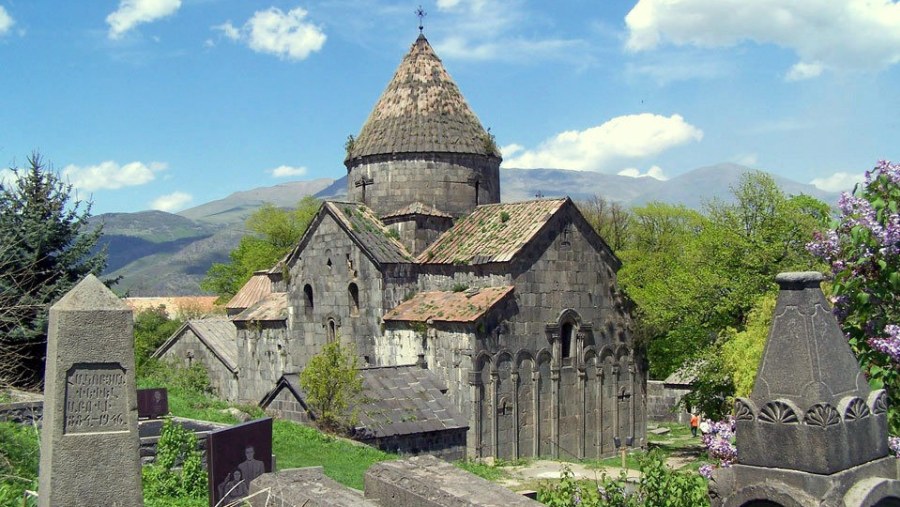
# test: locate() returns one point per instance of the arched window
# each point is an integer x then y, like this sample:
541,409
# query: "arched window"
353,293
331,330
308,292
567,339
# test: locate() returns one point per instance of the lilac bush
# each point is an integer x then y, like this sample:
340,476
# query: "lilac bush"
863,251
719,444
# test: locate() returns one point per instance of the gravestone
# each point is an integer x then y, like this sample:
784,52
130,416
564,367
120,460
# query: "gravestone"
152,403
89,442
812,432
235,457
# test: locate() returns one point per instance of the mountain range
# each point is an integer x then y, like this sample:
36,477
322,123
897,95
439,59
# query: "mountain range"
164,254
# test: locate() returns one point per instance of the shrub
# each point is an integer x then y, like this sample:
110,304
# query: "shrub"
19,457
332,384
177,447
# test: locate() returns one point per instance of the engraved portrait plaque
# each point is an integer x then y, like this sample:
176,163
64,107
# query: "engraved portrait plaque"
96,401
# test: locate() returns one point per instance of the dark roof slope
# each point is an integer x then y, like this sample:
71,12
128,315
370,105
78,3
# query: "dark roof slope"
272,307
257,287
421,110
398,400
492,233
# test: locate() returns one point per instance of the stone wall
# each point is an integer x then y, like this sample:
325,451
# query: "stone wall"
662,402
286,406
329,263
449,445
188,349
445,181
265,353
22,412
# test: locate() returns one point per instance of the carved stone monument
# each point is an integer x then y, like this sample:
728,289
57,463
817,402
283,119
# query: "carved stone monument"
812,432
89,442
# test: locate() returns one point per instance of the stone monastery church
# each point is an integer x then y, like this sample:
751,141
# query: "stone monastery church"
511,309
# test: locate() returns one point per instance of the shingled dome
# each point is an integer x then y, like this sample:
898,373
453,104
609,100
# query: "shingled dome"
422,110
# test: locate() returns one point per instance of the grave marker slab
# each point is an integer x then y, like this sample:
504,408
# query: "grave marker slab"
90,443
152,403
235,457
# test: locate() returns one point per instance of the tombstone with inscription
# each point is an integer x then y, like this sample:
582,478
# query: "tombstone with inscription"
236,456
89,442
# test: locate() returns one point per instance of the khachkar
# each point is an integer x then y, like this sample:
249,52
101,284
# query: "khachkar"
89,443
812,432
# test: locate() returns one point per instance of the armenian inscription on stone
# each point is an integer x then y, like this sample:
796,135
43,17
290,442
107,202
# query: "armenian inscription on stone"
95,399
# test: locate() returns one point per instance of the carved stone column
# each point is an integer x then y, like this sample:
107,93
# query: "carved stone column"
554,410
600,414
536,405
495,408
514,380
615,373
582,433
475,385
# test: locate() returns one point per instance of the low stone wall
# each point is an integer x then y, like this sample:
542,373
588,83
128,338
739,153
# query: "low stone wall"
662,402
149,432
449,445
425,481
303,487
22,412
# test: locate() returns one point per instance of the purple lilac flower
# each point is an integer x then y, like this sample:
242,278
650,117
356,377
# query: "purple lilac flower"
894,444
889,345
707,470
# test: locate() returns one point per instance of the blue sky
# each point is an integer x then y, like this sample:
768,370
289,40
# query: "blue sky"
168,104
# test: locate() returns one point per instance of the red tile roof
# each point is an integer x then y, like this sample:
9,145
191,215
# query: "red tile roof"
463,306
492,233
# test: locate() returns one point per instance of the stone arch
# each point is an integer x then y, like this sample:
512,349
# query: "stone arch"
770,494
522,356
543,355
605,351
544,409
590,354
308,300
622,351
500,356
353,298
481,360
873,492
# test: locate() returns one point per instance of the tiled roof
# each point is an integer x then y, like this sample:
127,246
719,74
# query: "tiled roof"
256,288
272,307
398,400
463,306
174,306
218,334
492,233
369,232
421,110
417,208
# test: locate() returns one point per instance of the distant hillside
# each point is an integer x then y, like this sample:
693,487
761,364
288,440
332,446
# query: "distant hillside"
238,206
164,254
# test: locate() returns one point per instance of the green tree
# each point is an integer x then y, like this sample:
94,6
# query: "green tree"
332,384
152,327
48,247
272,233
609,218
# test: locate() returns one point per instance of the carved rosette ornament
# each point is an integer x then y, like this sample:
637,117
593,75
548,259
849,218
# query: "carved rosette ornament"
744,409
878,402
779,411
822,415
854,409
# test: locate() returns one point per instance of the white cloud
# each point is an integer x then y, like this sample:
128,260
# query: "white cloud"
747,159
285,34
6,21
484,30
599,148
838,182
109,175
654,172
172,202
134,12
802,70
511,149
839,34
7,178
286,171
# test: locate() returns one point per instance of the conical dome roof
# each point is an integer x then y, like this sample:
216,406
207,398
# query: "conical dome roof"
422,110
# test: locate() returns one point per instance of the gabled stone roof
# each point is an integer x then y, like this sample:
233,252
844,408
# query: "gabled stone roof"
492,233
218,334
463,306
421,110
273,307
257,287
370,234
417,208
397,400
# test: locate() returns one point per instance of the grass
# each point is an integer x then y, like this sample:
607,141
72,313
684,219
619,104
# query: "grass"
492,473
19,457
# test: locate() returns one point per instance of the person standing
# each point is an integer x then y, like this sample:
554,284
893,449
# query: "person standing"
695,423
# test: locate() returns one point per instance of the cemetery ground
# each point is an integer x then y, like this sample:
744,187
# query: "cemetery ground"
344,460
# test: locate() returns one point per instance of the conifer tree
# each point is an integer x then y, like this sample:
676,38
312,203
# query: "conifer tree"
46,247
